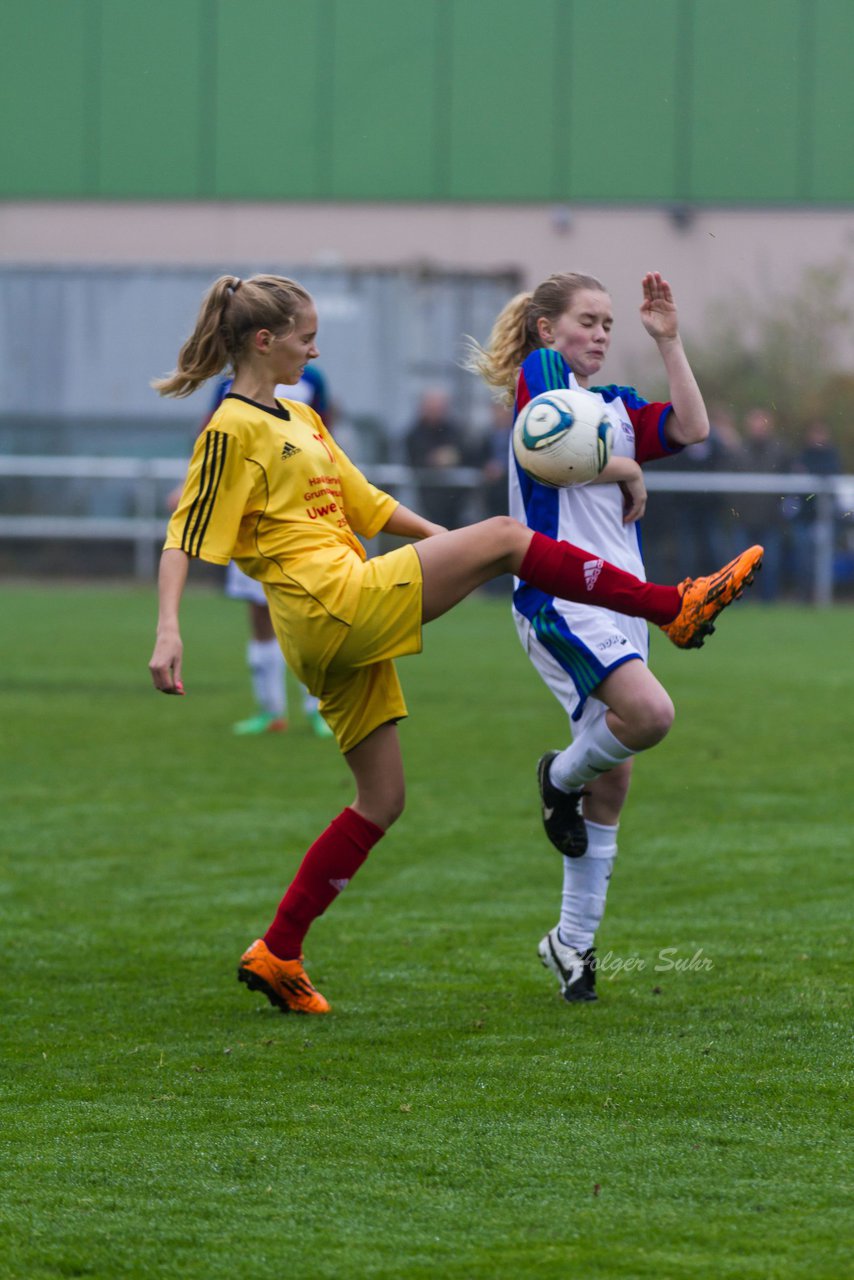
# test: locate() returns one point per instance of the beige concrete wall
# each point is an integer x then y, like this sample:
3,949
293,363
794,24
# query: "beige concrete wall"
718,252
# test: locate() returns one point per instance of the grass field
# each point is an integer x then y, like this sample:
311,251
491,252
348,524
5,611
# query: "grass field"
453,1117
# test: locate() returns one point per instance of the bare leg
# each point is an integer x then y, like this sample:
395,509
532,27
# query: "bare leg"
640,712
339,851
457,563
607,794
377,766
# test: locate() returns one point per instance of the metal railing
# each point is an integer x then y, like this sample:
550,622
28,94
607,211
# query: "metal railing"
145,527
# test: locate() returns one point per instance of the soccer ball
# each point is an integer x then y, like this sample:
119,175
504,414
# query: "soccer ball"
563,437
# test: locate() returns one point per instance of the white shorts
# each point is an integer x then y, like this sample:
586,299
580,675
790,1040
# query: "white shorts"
239,586
574,647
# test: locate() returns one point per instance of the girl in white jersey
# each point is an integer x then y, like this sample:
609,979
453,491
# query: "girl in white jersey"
593,659
269,487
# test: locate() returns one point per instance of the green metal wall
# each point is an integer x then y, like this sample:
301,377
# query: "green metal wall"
707,101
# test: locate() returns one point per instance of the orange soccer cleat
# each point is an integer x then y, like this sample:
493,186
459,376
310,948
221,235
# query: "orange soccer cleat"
285,983
704,598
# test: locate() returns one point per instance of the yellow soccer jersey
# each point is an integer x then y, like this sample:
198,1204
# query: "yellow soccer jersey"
272,490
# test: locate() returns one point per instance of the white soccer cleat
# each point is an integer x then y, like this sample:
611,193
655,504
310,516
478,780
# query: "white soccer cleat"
574,970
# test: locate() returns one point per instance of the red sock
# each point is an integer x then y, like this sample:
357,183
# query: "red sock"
330,863
566,571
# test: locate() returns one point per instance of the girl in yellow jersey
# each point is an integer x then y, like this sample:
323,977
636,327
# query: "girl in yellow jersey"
269,487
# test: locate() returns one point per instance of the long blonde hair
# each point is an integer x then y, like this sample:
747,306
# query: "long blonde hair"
231,310
514,334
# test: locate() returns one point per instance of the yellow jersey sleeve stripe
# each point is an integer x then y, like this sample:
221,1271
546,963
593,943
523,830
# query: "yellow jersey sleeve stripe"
199,515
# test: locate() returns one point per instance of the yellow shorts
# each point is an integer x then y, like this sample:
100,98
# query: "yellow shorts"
361,690
358,685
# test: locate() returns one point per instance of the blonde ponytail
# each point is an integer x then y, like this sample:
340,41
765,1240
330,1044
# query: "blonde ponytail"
231,310
515,333
204,353
508,345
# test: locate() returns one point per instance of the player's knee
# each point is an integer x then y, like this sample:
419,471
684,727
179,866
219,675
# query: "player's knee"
503,530
397,804
385,809
652,717
660,714
506,537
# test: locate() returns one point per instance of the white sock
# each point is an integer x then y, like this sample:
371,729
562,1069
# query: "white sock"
267,668
585,887
594,751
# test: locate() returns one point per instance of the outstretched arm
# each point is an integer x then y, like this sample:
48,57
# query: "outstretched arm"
408,524
689,422
165,664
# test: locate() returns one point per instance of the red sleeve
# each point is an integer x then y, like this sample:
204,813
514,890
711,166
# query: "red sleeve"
649,422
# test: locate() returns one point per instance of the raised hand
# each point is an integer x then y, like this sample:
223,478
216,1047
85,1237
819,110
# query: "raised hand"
658,310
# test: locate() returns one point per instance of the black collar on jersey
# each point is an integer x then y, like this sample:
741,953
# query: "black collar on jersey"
278,412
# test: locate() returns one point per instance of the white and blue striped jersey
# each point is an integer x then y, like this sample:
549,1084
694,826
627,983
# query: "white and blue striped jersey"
585,640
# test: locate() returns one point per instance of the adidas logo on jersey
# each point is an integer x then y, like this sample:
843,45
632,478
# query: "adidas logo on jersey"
592,569
340,885
289,450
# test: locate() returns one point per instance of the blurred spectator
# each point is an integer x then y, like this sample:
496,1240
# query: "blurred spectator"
760,516
434,443
818,456
704,534
495,462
